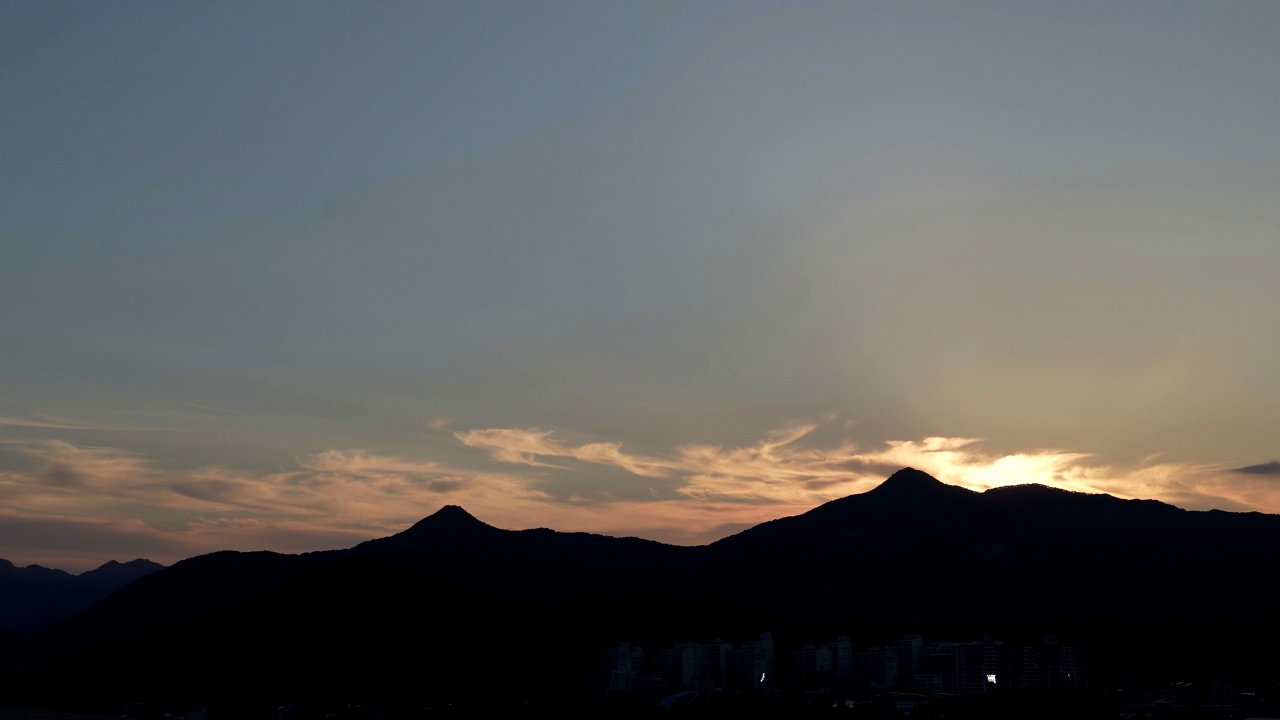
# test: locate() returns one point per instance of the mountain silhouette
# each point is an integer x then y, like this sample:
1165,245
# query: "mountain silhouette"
1017,552
454,546
34,597
450,517
186,589
912,550
912,483
357,627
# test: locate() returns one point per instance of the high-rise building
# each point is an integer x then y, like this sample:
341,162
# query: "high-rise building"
752,666
622,666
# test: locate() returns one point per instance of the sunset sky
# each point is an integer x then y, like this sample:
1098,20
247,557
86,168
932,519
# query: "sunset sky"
291,275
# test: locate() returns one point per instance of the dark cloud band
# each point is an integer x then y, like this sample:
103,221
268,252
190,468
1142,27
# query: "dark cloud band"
1267,468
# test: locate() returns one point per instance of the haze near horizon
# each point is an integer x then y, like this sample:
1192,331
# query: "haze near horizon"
291,276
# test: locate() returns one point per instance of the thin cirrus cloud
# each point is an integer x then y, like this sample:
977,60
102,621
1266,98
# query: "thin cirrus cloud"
781,469
525,446
121,501
43,422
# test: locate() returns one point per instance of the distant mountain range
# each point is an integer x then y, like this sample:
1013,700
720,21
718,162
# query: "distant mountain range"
33,597
453,590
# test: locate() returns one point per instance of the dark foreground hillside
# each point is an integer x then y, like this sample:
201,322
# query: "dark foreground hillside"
456,613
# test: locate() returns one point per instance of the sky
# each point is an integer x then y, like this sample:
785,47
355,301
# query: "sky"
292,275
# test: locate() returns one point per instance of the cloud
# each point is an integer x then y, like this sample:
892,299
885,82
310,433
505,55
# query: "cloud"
514,445
53,423
1267,468
777,468
67,475
113,498
331,499
610,453
784,470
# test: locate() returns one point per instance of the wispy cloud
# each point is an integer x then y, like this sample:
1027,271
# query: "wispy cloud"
515,445
54,423
691,493
782,468
330,499
66,475
525,446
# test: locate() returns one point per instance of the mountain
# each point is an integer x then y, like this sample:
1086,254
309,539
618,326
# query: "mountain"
450,546
358,628
915,548
33,598
454,546
187,589
912,550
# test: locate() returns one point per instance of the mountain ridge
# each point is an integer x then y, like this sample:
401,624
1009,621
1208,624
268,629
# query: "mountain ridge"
35,597
914,549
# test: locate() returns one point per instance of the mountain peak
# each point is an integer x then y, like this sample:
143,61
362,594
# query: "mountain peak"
453,513
450,517
912,483
909,479
113,572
